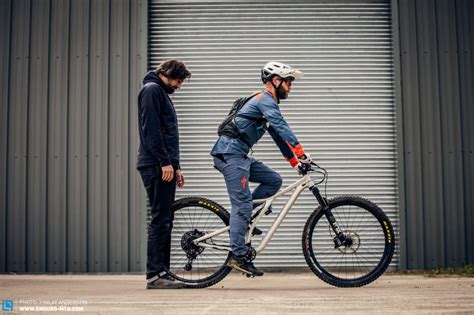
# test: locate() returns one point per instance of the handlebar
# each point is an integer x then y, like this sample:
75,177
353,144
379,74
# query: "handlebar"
306,168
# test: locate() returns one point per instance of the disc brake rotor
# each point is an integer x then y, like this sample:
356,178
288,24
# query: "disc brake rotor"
352,243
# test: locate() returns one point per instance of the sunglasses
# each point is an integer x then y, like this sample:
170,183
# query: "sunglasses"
289,79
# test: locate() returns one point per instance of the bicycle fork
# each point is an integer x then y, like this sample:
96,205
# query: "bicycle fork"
340,238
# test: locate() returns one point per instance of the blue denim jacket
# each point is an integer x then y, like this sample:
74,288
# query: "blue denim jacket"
263,105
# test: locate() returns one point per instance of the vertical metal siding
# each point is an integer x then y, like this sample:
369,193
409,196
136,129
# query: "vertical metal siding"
37,138
465,27
430,133
412,140
342,111
68,171
436,71
77,137
98,136
17,136
57,136
451,138
118,135
5,23
137,198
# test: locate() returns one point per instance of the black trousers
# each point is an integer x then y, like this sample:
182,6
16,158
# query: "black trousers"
161,196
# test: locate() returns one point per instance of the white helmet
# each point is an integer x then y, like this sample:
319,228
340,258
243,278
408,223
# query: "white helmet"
276,68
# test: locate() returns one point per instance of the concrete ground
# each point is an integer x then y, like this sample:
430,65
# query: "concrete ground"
274,293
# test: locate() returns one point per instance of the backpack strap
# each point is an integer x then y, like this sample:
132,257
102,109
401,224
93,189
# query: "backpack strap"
257,120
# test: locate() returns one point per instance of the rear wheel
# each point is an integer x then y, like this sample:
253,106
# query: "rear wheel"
196,266
363,257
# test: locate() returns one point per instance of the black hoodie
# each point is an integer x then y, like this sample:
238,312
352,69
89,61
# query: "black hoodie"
158,125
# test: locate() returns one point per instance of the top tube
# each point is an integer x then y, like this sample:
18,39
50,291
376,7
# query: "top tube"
302,181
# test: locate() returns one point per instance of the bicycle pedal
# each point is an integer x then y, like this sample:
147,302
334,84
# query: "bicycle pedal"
268,211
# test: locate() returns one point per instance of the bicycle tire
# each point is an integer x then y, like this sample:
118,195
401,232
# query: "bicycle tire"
187,224
322,263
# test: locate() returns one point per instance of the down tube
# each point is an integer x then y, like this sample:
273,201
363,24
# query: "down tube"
280,218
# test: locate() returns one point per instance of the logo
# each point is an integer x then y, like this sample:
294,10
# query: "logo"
243,181
389,236
208,205
7,306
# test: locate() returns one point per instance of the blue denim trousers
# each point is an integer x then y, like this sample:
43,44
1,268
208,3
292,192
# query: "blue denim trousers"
238,171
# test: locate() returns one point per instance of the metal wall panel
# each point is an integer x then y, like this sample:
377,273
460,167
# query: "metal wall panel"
342,111
451,138
37,137
66,97
17,136
77,137
137,198
437,112
58,95
118,135
430,133
465,36
98,135
5,23
412,132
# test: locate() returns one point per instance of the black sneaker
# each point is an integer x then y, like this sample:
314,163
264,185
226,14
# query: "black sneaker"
244,265
164,281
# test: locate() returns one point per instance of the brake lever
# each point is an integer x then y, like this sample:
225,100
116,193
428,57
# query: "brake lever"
304,168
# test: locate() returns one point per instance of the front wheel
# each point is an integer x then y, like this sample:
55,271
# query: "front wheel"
367,251
196,266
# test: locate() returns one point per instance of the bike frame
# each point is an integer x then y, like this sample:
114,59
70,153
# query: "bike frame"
305,182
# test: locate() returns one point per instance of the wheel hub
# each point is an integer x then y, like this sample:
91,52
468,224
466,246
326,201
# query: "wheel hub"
191,249
351,244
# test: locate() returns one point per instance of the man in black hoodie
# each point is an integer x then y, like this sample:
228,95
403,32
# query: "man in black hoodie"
158,164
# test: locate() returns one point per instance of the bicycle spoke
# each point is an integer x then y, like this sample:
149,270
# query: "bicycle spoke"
183,219
362,220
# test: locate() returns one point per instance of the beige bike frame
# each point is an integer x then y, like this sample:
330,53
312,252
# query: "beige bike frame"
298,187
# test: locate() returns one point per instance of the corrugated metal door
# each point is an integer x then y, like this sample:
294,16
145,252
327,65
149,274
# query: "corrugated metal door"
342,110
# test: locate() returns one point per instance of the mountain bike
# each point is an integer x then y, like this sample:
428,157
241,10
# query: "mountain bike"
347,241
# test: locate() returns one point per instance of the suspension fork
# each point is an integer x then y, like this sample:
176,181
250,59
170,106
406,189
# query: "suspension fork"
340,238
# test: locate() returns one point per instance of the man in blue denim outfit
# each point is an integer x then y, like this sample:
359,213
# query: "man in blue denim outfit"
259,114
158,164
